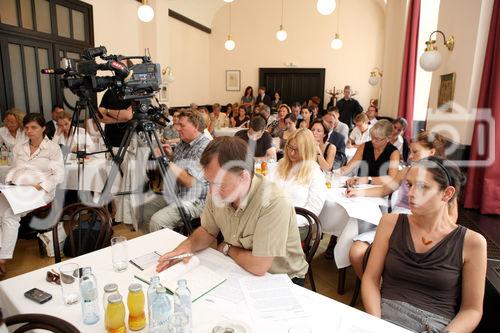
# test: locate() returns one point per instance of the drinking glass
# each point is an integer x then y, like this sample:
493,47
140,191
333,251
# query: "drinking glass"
70,287
328,179
119,253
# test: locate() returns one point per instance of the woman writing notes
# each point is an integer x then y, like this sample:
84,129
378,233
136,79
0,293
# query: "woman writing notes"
37,162
425,272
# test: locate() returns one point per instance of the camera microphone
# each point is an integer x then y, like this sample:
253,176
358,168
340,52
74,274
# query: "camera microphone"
57,71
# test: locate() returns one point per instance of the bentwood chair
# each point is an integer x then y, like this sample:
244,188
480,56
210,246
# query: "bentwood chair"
311,242
357,288
31,321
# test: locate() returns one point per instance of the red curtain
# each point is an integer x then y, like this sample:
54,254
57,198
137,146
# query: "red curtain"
407,89
483,184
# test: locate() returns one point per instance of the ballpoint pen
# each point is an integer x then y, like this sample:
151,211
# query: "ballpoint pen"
180,256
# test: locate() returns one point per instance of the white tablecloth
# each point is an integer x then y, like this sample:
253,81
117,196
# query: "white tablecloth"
343,217
325,315
226,131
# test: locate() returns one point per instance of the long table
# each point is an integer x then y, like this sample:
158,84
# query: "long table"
323,314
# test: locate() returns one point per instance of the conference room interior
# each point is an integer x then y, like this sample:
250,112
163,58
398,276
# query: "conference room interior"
209,51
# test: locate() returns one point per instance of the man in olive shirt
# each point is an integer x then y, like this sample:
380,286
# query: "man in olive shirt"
257,222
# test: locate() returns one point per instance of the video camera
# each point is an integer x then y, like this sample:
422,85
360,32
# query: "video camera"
137,81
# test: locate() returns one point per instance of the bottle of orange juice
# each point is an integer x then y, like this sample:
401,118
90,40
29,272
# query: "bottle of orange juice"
115,314
263,168
135,302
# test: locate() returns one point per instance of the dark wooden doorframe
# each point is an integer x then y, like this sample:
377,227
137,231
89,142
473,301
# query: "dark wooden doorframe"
286,81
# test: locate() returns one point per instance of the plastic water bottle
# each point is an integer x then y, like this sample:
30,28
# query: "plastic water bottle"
4,154
160,311
153,284
182,301
88,290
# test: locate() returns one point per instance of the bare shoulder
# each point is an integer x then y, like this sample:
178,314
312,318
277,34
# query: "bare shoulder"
474,241
387,224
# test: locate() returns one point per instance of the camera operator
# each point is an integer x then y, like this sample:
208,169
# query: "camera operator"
191,187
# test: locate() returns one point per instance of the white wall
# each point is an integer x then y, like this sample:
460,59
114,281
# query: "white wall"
469,22
308,45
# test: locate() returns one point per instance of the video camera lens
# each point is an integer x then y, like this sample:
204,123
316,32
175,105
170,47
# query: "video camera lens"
91,53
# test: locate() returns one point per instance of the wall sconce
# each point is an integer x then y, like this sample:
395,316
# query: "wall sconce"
375,76
431,59
145,12
168,73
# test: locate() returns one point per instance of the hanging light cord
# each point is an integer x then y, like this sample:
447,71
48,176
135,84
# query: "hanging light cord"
229,19
282,6
338,16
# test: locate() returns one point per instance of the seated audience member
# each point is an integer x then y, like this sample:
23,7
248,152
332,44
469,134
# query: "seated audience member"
52,124
399,126
265,112
256,111
259,141
203,111
217,118
242,119
248,100
426,273
267,238
79,142
307,118
277,127
290,122
233,113
325,151
91,128
314,108
336,139
337,125
360,134
296,107
376,157
372,113
193,106
171,131
300,177
276,102
191,188
36,162
425,144
12,132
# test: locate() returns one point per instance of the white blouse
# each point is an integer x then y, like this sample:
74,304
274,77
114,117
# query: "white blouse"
8,139
310,196
44,167
358,138
82,138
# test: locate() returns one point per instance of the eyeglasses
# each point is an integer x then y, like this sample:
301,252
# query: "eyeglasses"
53,277
294,149
378,139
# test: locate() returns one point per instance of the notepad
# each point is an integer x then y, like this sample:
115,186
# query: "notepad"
145,261
200,279
23,198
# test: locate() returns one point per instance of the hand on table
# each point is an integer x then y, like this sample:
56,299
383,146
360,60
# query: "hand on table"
351,192
164,262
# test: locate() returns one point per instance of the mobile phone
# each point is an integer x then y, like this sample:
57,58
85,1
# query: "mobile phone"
38,295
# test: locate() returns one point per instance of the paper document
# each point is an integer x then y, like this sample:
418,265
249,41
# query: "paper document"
271,297
145,261
200,279
23,198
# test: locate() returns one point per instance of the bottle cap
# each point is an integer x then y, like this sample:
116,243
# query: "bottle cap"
115,298
182,283
135,287
110,287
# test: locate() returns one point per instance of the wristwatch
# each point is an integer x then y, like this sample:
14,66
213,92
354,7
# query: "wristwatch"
225,248
369,179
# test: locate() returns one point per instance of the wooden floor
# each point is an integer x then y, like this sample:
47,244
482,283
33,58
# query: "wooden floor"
27,258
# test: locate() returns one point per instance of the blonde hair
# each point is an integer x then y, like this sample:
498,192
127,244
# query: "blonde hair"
306,150
361,118
17,113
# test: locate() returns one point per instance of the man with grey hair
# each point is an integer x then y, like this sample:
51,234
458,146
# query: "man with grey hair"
184,164
265,112
218,118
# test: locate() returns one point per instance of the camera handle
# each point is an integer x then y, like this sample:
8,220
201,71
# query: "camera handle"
140,123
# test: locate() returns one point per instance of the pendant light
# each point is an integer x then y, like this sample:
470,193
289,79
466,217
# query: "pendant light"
325,7
145,12
229,44
336,43
281,35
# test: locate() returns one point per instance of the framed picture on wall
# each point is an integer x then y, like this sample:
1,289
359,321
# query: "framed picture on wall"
233,79
446,92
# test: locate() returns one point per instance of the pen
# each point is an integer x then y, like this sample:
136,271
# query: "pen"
180,256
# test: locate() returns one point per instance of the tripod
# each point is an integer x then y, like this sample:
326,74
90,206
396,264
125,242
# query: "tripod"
141,123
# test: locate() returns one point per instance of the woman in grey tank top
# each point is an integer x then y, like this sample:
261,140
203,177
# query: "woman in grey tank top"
432,270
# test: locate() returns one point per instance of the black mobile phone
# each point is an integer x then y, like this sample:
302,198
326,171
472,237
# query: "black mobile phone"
38,295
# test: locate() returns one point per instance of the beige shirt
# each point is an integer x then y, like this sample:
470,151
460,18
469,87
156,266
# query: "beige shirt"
220,121
45,166
265,223
10,141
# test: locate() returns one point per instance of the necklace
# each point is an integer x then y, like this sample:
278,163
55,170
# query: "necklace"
35,147
426,242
